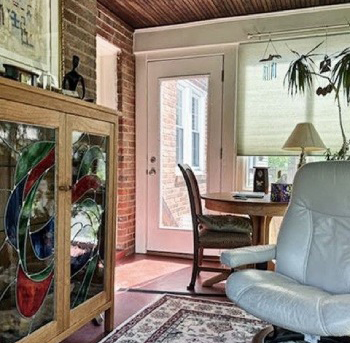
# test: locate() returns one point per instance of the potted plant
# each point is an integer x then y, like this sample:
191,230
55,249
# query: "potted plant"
303,70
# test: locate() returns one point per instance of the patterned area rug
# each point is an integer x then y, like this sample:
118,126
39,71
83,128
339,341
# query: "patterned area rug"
174,319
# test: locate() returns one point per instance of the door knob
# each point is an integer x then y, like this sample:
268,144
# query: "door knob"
152,171
153,159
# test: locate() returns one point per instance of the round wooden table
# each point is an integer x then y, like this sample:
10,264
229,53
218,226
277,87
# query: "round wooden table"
260,211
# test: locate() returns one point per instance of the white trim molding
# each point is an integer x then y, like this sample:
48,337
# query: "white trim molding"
236,29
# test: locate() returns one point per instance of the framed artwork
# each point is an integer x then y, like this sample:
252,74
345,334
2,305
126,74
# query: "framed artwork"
29,36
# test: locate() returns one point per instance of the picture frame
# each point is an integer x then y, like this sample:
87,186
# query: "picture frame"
30,33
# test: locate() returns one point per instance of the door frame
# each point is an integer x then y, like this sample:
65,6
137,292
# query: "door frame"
230,57
162,238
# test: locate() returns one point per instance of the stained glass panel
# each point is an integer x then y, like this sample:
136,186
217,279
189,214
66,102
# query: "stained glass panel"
27,229
89,157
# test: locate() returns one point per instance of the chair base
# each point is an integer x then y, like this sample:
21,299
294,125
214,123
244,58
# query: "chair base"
197,269
275,334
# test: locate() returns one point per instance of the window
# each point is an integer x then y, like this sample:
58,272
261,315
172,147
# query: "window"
179,127
286,165
190,124
195,132
106,73
267,114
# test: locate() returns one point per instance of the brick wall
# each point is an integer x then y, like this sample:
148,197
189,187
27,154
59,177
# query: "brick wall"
79,38
82,20
119,34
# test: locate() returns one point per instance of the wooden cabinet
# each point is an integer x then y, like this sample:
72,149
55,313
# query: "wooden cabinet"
57,214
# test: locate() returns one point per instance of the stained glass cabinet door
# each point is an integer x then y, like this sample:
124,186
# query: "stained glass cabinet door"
31,240
89,168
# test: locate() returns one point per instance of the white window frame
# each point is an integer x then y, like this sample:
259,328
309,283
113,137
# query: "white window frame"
188,91
106,73
180,88
244,164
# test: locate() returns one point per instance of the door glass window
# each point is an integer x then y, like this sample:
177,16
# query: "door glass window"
183,140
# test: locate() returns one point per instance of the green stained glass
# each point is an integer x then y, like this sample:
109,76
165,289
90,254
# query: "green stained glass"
83,291
44,274
30,157
92,163
89,154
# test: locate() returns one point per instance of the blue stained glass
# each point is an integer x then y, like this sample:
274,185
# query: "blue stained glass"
43,240
13,210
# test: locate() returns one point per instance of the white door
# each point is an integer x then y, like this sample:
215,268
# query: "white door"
184,126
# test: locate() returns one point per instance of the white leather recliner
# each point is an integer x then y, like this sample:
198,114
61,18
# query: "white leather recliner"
309,292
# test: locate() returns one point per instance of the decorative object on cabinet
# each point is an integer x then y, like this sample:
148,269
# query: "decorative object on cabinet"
57,200
261,179
29,35
304,137
72,79
20,74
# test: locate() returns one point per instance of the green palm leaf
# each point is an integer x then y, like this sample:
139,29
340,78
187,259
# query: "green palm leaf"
341,74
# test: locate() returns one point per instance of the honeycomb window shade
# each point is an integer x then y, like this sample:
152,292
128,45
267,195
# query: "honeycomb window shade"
267,114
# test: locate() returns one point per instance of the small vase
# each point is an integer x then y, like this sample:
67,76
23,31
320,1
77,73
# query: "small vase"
261,180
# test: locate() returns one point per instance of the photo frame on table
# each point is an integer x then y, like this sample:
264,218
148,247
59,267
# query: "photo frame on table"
30,37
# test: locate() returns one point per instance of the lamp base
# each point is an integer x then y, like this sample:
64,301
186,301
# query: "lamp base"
302,159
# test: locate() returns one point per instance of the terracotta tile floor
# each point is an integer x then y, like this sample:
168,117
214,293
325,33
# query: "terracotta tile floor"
140,280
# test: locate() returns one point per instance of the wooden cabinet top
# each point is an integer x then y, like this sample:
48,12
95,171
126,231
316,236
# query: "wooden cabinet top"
19,92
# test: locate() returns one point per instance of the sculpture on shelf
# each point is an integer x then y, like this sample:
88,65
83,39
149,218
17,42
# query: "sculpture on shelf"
302,72
73,78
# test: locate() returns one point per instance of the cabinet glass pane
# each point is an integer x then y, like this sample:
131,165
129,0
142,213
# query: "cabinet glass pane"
27,229
88,216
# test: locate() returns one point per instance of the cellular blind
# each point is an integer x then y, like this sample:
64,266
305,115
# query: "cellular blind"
267,114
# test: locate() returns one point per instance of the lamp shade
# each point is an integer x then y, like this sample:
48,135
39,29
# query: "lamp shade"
304,136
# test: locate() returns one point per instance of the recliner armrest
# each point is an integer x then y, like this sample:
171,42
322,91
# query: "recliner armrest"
248,255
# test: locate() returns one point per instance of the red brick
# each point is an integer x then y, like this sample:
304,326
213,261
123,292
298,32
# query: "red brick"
82,20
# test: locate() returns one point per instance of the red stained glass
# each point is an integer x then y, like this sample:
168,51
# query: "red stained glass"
40,168
85,184
30,294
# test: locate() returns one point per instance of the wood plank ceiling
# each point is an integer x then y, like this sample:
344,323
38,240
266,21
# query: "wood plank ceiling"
150,13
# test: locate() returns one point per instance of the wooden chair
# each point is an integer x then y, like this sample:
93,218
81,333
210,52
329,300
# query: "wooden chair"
212,231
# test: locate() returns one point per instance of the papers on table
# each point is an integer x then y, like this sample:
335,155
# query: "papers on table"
248,195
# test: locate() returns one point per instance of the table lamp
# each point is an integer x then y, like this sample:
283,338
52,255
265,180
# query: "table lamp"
305,138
